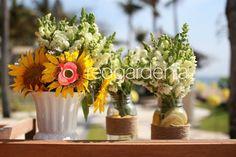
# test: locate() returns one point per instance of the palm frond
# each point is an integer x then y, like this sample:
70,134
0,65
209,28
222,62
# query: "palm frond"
130,7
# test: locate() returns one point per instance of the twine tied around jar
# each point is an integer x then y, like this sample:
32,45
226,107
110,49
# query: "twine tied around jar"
121,126
172,132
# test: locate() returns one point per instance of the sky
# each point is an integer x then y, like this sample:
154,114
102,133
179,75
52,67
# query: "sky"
205,18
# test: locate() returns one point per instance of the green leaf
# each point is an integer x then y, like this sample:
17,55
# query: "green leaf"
83,15
91,18
72,21
109,41
87,101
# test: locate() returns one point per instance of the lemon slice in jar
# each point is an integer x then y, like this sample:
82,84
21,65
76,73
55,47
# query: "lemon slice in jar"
115,114
175,117
127,116
156,120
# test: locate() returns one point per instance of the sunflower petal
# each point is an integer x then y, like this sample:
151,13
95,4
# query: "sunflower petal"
53,85
58,90
37,56
42,57
64,92
52,59
30,58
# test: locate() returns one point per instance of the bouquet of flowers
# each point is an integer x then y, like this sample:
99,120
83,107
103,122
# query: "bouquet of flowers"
120,88
67,60
166,67
121,121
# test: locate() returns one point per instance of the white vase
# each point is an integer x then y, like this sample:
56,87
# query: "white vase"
56,116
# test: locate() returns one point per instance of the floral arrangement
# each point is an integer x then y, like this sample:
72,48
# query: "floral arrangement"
166,67
67,60
120,88
121,84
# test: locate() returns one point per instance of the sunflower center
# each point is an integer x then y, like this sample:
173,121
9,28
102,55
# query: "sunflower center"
32,76
68,73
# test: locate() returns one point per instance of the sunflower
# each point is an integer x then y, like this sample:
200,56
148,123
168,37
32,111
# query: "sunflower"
69,71
102,94
28,72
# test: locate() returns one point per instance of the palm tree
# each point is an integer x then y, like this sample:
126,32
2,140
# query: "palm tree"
140,36
129,9
20,17
42,6
153,4
58,10
174,3
231,17
5,58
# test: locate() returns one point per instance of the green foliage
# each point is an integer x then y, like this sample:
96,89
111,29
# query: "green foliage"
118,65
109,41
217,121
178,48
20,103
24,18
224,82
86,103
96,132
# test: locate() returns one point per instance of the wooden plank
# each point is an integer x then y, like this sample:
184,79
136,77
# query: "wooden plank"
164,148
17,129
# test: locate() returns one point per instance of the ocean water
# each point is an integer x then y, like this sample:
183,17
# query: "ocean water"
208,80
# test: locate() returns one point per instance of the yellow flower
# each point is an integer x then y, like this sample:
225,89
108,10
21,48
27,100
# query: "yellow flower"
214,85
226,94
214,100
28,72
134,96
102,94
200,87
83,73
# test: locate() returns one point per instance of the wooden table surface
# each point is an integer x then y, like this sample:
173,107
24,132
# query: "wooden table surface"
147,148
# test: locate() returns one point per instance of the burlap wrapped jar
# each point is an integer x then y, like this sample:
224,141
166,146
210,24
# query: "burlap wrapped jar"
170,121
121,120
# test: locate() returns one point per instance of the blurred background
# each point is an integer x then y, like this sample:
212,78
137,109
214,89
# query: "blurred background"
211,105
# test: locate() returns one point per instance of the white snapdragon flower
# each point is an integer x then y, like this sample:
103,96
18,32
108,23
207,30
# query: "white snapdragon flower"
138,56
60,41
46,31
85,27
158,55
179,91
99,47
71,31
101,59
173,77
77,45
43,42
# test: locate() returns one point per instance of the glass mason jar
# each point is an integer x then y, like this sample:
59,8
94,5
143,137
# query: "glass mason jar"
121,118
170,113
